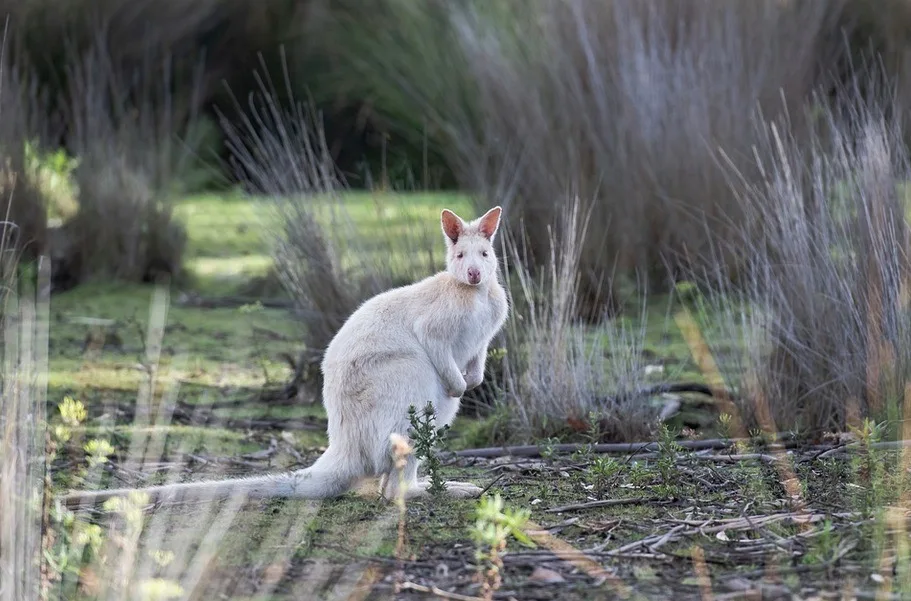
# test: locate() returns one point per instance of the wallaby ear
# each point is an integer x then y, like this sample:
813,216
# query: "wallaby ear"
452,225
490,222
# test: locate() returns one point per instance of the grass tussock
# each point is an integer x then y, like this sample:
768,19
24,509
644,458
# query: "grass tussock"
823,299
23,344
560,377
135,139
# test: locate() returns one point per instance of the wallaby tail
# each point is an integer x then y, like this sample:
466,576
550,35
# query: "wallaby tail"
329,476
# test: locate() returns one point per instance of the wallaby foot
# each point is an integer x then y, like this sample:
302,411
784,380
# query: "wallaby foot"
392,482
463,490
455,489
413,490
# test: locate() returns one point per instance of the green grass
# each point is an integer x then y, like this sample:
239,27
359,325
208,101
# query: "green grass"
226,244
229,242
228,347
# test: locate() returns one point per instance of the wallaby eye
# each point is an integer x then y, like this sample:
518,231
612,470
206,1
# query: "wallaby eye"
460,255
484,253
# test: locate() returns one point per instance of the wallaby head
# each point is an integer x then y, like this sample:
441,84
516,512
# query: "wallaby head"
469,246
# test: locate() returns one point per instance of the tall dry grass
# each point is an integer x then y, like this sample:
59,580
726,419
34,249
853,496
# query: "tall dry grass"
24,310
22,106
823,298
562,377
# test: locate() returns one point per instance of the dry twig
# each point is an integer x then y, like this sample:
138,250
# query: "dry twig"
603,503
420,588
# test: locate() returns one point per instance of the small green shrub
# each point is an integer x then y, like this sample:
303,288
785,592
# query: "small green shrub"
870,469
426,437
603,473
668,448
135,140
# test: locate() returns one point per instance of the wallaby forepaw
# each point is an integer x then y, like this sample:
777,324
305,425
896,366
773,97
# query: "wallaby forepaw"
472,380
456,393
456,388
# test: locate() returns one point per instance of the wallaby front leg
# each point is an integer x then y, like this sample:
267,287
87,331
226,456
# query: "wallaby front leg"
474,371
445,364
438,344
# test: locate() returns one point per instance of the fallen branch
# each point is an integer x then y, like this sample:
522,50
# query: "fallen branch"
617,447
655,541
744,457
603,503
668,536
638,447
420,588
275,424
489,486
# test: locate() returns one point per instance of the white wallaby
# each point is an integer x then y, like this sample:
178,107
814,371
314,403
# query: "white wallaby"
424,342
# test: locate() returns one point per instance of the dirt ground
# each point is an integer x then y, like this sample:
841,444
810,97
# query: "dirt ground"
682,525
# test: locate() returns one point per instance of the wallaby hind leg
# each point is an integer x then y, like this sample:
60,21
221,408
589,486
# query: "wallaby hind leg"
392,481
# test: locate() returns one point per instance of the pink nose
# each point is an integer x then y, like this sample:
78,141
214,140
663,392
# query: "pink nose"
474,275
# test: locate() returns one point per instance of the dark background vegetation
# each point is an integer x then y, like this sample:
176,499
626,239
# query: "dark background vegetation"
392,104
213,48
216,45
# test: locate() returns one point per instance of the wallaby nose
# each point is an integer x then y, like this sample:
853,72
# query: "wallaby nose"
474,275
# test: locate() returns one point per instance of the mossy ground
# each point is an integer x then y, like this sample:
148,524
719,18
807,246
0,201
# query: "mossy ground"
215,362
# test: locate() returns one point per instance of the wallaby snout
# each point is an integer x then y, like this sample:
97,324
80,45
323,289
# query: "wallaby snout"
474,276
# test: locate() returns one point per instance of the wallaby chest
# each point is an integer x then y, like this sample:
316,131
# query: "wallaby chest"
483,318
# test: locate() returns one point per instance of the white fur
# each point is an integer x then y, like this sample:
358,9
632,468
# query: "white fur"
426,341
